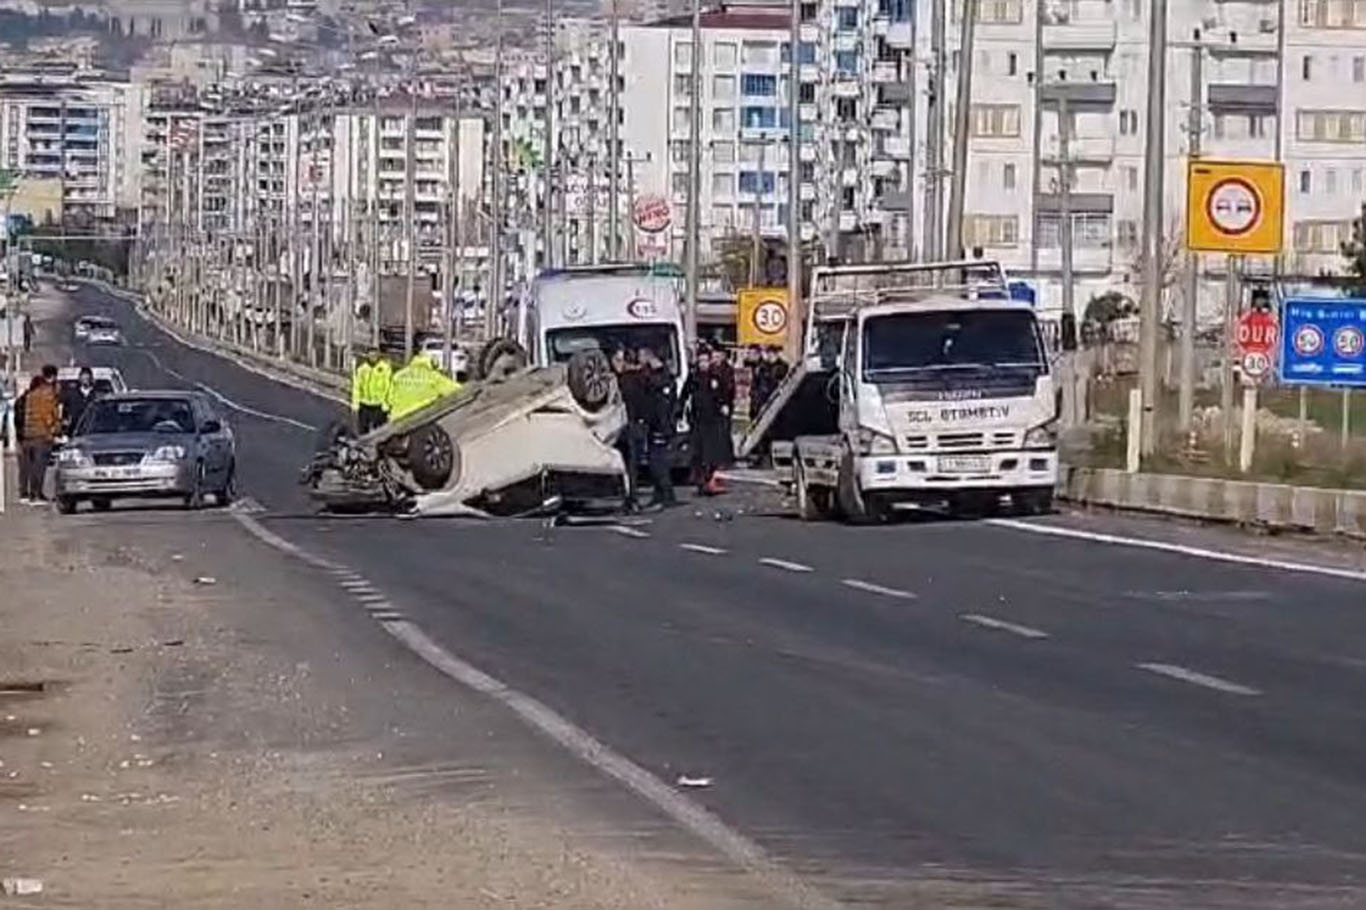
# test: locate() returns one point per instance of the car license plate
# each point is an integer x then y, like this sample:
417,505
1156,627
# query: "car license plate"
964,464
116,473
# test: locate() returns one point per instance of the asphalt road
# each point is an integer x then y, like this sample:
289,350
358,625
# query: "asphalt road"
959,714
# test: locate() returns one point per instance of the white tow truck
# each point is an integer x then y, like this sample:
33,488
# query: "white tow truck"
921,386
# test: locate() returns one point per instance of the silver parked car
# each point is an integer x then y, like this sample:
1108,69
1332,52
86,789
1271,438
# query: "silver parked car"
147,445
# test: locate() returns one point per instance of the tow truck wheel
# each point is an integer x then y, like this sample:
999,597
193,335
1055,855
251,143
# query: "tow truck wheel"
812,504
432,456
591,379
853,506
499,359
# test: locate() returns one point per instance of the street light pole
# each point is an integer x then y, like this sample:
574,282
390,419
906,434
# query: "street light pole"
1154,149
694,175
794,184
614,143
494,304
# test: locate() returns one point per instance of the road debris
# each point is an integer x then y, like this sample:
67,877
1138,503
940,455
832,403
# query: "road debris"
19,887
693,783
206,580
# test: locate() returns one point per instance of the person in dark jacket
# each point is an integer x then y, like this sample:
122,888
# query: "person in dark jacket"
77,399
661,416
768,372
632,441
709,395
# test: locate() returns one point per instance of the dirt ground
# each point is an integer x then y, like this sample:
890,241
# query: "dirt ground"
166,762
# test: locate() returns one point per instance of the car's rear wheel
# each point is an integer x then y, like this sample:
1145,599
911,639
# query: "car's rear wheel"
101,503
433,457
228,492
591,379
499,359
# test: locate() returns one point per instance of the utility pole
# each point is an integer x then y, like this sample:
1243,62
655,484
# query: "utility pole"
1154,150
795,318
1037,181
1190,306
934,144
757,239
614,143
316,272
453,243
962,119
1065,200
409,228
550,163
592,202
694,175
494,302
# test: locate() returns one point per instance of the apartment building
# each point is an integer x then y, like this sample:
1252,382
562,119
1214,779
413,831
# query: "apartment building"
58,123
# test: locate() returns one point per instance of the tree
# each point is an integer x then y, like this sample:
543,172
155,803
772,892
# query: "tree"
1354,251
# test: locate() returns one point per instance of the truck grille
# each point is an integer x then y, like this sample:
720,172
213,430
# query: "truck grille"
953,442
109,459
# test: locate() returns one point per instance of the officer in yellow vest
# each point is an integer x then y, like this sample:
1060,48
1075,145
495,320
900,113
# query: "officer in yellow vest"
417,385
370,384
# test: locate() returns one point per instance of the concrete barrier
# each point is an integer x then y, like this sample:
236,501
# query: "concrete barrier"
1270,505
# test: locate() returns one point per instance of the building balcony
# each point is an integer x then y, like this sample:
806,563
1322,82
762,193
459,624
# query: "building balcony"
885,71
1242,98
898,148
1081,149
846,41
810,32
848,221
1081,94
898,35
1084,259
847,87
809,152
1259,43
1085,35
808,192
895,201
885,121
1078,203
882,167
851,175
810,72
808,111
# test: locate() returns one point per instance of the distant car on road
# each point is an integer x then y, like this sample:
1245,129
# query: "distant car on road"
84,324
148,445
105,335
66,285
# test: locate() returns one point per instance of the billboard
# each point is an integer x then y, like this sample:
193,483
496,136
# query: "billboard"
1322,340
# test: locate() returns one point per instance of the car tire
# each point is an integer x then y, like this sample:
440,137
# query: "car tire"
228,492
433,457
499,359
591,380
67,504
194,500
101,503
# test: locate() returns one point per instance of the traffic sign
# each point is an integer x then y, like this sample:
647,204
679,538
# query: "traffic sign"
1325,341
1235,206
1255,339
762,316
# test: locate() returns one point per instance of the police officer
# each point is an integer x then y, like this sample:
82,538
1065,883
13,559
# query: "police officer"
660,400
417,385
370,391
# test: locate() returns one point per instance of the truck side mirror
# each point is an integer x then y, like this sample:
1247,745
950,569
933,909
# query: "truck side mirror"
1069,331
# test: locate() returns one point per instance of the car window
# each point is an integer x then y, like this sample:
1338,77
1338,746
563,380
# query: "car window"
138,415
68,386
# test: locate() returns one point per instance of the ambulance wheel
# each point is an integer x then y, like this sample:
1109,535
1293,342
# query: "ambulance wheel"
499,359
432,456
591,379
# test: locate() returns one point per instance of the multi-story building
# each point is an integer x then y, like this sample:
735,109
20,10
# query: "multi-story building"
62,124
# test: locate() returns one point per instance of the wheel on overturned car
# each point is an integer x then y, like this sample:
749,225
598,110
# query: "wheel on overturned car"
591,379
499,359
432,456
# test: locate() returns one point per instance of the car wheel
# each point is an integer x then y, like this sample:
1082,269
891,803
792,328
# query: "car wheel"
228,492
499,359
102,504
432,456
194,500
591,380
67,504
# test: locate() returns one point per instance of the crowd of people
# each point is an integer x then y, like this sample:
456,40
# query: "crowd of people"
43,415
379,393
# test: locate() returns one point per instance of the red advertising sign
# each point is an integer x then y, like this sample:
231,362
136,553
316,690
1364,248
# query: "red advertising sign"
652,213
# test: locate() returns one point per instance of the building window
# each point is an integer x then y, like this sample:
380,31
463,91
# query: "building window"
806,52
1307,68
1008,176
1126,235
759,53
995,121
846,109
1330,181
808,12
723,185
723,88
722,218
1333,13
1306,181
758,118
1128,122
682,120
846,18
806,93
759,85
1090,230
1131,178
991,230
1359,69
683,54
723,54
1321,236
683,84
1331,126
680,182
678,150
723,120
999,12
1012,64
846,62
757,182
723,152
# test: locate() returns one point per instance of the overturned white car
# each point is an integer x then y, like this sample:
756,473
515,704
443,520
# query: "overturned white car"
505,444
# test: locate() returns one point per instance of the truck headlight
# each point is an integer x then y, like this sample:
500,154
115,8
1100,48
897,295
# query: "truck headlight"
73,458
1044,436
165,455
871,442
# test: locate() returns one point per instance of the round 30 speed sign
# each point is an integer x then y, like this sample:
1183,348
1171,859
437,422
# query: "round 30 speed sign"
770,318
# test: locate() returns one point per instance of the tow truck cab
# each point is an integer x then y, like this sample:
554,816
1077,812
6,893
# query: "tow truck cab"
913,393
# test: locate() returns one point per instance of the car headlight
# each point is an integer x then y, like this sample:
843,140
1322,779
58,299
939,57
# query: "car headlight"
1044,436
73,458
872,442
165,455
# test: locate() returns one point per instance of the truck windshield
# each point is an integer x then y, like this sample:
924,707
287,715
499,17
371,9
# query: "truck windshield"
946,341
661,337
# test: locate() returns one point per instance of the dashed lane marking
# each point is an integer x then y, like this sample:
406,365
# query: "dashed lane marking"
225,400
859,584
702,548
625,531
742,851
783,564
1000,625
1195,678
1180,549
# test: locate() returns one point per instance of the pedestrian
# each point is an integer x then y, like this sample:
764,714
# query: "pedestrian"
708,397
632,441
370,384
42,414
77,399
769,371
661,422
418,385
28,334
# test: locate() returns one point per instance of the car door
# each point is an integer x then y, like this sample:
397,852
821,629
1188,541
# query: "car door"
209,432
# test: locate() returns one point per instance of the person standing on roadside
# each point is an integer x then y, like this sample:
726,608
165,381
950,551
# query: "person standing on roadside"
77,399
661,422
370,391
631,444
708,398
42,416
28,333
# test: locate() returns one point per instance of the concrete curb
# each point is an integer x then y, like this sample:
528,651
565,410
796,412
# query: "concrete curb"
1279,506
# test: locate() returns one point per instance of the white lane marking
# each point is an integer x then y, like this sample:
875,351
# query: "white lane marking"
861,585
1000,625
624,531
784,564
702,548
1199,679
372,597
730,843
219,396
1181,549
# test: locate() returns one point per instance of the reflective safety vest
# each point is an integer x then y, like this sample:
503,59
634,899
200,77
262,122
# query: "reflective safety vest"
370,384
417,385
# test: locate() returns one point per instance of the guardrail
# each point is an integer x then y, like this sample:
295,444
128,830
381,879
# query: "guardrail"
1270,505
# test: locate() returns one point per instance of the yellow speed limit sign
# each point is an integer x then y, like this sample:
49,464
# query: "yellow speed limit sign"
1235,206
762,317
